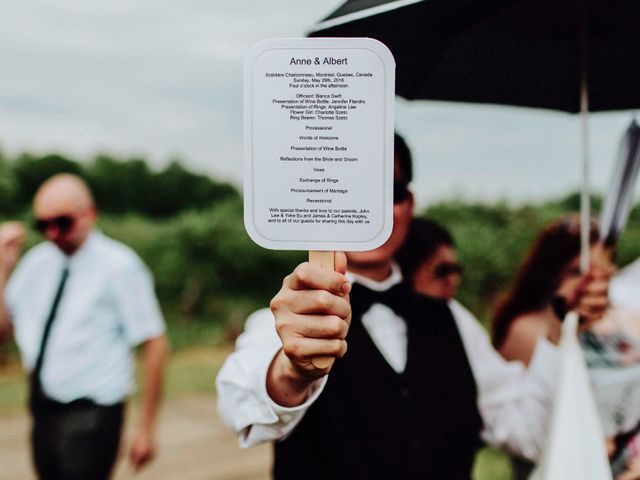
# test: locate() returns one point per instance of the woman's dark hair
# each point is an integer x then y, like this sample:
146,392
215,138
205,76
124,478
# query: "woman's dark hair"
423,239
540,274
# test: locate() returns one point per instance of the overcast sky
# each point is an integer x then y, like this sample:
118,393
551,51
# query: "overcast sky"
163,79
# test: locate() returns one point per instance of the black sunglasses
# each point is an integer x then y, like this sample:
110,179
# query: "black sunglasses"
400,191
63,223
443,270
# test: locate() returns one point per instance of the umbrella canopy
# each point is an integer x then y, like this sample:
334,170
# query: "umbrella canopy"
568,55
529,53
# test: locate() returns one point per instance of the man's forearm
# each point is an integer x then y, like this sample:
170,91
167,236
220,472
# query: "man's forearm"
5,323
155,353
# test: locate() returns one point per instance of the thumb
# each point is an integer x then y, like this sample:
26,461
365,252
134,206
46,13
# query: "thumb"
340,262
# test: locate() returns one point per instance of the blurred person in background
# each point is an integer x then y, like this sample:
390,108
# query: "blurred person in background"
545,283
78,304
428,260
546,286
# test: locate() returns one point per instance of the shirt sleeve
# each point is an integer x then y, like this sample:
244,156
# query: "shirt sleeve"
515,402
17,286
243,401
134,293
10,294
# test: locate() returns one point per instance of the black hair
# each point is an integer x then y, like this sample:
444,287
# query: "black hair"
424,238
403,157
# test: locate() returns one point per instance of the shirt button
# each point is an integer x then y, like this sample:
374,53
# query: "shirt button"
404,392
286,417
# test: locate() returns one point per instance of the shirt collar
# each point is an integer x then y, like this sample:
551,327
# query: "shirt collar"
394,278
81,253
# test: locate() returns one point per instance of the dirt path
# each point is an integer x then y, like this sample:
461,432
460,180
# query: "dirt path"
193,445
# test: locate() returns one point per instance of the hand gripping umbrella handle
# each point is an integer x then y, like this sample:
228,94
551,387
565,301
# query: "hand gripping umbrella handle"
324,260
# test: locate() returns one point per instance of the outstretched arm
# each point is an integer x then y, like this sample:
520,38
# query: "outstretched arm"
267,384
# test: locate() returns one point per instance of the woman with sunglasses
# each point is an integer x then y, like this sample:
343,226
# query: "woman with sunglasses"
543,291
428,259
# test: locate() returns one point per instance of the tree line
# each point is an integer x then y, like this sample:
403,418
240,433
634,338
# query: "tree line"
189,230
119,185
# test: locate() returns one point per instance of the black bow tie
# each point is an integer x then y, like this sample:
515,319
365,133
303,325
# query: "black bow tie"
397,298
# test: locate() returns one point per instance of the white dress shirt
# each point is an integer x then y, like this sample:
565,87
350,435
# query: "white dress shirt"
108,306
514,402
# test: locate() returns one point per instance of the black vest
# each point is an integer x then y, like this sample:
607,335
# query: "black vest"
373,423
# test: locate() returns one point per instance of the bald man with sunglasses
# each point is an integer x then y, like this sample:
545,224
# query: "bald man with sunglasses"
79,304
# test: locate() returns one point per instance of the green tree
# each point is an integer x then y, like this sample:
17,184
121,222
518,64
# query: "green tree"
119,186
31,171
8,188
175,189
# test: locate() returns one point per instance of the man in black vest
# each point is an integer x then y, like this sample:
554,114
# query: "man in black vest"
417,391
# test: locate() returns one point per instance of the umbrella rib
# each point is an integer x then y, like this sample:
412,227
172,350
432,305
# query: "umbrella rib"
367,12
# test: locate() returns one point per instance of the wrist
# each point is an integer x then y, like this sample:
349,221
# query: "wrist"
285,385
146,428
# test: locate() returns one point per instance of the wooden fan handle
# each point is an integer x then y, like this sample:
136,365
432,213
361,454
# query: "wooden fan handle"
324,260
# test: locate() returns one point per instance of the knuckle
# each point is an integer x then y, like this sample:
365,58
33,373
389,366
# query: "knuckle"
285,324
290,280
336,327
284,301
276,303
343,348
345,310
336,346
324,300
292,349
348,316
281,328
297,349
301,273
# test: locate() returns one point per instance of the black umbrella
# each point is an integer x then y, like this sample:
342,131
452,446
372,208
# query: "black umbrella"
568,55
530,53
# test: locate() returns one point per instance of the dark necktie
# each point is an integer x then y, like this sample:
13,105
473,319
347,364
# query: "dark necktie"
397,298
36,386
